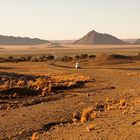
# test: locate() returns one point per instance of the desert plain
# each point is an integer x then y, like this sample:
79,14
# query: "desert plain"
43,99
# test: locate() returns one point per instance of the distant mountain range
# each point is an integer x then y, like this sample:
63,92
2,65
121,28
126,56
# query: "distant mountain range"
10,40
92,38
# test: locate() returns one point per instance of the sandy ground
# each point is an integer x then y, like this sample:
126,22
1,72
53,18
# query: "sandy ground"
61,50
52,119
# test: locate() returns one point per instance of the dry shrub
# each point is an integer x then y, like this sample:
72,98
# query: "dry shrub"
57,81
100,106
91,127
109,101
112,107
35,136
66,58
108,107
44,84
43,94
39,83
86,114
122,104
92,56
14,95
111,104
74,120
20,83
83,56
93,115
50,57
71,77
76,117
4,86
77,57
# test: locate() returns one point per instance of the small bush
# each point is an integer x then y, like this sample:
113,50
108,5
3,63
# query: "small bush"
66,58
28,58
123,104
50,57
2,59
34,59
92,56
35,136
77,57
90,127
86,114
84,56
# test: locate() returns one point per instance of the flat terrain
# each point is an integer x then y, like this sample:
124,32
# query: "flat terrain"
64,49
54,101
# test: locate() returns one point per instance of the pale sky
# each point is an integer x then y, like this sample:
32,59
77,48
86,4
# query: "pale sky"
69,19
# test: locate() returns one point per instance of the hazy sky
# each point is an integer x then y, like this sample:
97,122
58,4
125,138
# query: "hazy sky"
69,19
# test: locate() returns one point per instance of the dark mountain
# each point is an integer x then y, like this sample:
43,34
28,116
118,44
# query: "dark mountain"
95,38
10,40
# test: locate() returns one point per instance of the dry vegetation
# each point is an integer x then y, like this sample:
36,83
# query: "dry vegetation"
42,83
99,101
43,58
